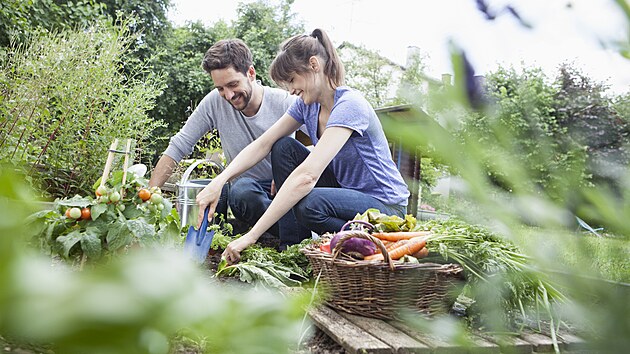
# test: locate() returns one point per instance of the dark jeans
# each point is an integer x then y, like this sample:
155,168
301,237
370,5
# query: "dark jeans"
328,206
249,198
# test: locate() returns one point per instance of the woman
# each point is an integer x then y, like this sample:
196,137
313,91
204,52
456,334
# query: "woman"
349,169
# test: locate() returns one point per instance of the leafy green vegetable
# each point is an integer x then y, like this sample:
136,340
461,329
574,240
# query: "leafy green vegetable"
485,254
388,223
267,266
267,273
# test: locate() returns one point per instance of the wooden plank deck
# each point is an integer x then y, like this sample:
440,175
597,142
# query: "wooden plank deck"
357,334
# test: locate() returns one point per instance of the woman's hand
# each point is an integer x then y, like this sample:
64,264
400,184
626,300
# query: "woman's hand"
209,196
232,253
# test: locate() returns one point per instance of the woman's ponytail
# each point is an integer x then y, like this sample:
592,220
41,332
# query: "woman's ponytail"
296,51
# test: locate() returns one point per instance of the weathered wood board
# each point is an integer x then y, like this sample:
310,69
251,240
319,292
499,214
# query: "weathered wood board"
357,334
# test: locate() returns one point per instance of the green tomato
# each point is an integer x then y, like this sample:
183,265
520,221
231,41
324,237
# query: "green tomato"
101,190
121,207
152,207
160,206
104,199
114,197
156,198
75,213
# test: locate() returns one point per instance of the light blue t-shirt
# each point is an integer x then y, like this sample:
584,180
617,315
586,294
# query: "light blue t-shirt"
364,163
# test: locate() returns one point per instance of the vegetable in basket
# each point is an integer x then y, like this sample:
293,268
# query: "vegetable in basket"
354,246
410,247
401,235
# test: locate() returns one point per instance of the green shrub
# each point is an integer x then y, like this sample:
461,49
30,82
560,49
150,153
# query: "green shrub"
65,99
525,126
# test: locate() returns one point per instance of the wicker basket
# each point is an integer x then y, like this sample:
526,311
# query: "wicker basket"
382,289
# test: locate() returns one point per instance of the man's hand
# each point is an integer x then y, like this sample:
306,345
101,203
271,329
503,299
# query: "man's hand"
232,253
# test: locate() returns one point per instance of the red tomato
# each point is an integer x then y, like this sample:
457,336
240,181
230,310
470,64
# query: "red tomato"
86,213
325,247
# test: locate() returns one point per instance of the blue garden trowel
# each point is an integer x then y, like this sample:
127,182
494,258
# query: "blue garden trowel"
198,242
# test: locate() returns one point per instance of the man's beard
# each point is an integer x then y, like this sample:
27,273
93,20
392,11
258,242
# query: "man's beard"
246,95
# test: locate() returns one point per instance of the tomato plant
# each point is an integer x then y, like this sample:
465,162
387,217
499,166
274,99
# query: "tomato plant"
91,228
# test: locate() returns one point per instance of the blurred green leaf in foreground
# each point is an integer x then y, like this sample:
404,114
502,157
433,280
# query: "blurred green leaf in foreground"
525,162
135,304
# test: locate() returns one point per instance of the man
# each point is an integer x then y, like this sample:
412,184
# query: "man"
241,109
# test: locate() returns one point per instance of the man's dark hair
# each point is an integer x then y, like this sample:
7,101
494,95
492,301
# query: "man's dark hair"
226,53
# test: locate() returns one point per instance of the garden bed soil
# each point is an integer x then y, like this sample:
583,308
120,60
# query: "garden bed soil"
214,257
320,343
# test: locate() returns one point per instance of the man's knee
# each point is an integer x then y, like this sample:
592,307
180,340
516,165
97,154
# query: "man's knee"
241,188
248,196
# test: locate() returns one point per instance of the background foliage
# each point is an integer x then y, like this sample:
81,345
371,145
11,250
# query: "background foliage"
528,153
20,19
65,100
261,25
368,72
564,134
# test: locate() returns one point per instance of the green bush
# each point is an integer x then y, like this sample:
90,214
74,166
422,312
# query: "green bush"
65,99
525,126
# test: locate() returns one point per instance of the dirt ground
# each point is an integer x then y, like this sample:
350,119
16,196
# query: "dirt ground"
321,343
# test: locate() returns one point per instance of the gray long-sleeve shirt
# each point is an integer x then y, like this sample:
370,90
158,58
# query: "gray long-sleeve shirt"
235,129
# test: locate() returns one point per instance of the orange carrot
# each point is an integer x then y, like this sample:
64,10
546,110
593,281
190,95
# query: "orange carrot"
389,245
414,245
386,244
400,235
398,249
396,244
422,253
374,257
